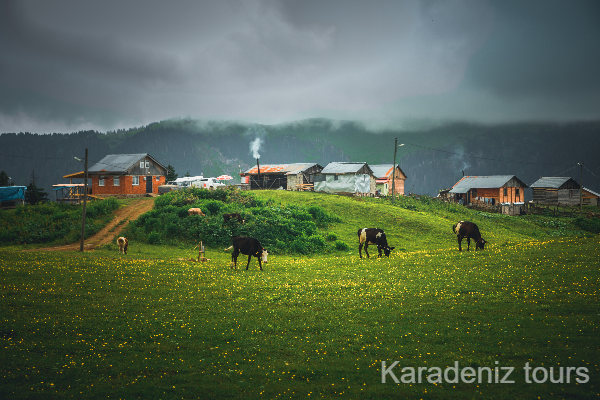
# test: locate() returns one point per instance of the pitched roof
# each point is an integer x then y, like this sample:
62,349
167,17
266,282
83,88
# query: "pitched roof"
285,169
384,171
482,182
590,192
553,182
343,167
120,162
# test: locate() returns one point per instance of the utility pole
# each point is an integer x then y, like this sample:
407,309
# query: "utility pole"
85,178
580,187
394,169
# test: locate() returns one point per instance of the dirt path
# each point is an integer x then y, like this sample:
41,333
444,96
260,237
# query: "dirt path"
112,229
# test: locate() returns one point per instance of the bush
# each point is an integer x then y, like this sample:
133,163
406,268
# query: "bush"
341,245
588,224
154,238
331,237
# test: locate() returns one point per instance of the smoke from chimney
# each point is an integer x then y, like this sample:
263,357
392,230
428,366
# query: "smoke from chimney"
255,147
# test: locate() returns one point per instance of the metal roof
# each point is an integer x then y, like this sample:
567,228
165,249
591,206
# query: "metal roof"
553,182
591,192
285,169
382,171
482,182
343,167
120,162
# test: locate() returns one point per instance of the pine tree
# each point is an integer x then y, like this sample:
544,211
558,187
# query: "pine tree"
34,194
171,175
4,178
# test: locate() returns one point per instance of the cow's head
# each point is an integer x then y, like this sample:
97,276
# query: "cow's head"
387,250
480,244
264,255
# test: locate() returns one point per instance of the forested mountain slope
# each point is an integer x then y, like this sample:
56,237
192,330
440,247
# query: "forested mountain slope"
432,159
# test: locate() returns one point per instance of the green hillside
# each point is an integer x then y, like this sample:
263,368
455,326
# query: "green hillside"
151,324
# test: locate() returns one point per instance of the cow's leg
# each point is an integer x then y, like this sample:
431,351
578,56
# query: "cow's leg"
468,243
259,263
379,251
367,245
360,245
459,238
234,257
249,258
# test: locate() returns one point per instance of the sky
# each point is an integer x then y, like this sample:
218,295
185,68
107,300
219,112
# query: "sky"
70,65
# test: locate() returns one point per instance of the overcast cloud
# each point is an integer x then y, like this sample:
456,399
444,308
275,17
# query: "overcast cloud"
67,65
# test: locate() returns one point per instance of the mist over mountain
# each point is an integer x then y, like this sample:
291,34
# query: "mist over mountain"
432,159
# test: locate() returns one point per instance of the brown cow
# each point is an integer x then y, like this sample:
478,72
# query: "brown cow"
466,229
195,211
123,244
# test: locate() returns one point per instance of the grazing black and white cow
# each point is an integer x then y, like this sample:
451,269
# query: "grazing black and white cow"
227,217
247,246
367,236
466,229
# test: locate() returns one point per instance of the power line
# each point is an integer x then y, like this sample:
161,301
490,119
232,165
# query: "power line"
482,158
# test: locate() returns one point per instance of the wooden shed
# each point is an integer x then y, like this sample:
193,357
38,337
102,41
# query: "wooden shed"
124,175
489,189
295,176
590,198
556,190
346,178
384,173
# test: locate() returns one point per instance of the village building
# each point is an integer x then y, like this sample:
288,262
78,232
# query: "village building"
295,176
590,198
355,178
384,173
495,189
123,175
556,190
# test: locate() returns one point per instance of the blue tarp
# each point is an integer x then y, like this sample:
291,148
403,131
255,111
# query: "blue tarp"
10,193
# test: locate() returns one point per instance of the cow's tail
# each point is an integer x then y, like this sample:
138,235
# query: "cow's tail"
229,248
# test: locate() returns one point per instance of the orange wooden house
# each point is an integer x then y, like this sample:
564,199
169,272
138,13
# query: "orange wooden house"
124,175
489,189
384,173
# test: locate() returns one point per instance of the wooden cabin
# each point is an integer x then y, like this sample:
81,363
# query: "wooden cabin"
124,175
384,173
489,189
346,178
296,176
590,198
556,191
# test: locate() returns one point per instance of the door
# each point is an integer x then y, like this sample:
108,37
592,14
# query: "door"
148,184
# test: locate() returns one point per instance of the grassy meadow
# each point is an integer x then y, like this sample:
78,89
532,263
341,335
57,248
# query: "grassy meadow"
149,325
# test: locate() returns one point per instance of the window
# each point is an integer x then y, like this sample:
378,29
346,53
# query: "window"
101,181
147,164
570,193
158,178
505,192
474,192
517,192
135,180
335,177
116,180
142,164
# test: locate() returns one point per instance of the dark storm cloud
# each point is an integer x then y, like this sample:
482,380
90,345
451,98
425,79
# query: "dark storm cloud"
73,64
541,48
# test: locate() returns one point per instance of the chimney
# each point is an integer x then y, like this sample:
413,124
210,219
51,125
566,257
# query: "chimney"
258,177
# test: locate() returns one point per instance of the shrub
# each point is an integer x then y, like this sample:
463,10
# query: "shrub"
341,245
588,224
154,238
331,237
